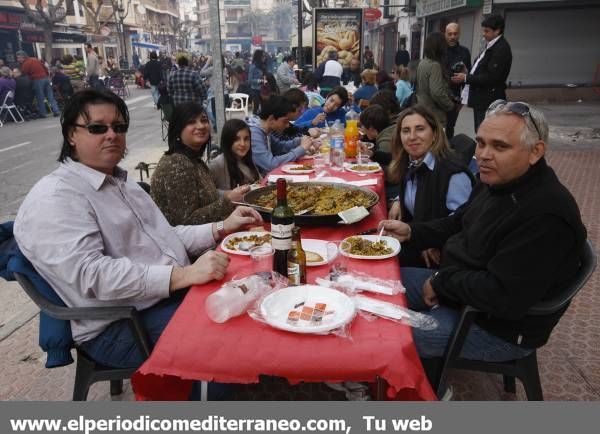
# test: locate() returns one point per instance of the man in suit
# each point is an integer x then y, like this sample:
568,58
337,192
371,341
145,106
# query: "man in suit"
486,82
458,59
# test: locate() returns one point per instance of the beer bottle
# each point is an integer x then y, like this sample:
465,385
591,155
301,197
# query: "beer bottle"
282,223
296,263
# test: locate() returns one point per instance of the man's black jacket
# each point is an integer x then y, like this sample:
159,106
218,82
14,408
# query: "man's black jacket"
488,82
506,249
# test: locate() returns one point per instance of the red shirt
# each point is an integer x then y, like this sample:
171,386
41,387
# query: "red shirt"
33,68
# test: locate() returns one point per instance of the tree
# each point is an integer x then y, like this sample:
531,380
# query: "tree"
94,14
45,18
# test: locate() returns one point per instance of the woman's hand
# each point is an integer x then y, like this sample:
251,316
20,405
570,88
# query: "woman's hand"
314,132
395,212
319,119
237,194
307,143
397,229
431,257
241,217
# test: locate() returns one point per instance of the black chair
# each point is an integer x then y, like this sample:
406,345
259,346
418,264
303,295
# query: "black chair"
88,371
525,369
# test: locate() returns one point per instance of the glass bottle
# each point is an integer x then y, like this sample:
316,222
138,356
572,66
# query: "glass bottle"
282,223
296,265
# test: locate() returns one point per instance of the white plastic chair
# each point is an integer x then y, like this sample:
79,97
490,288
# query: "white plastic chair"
9,106
240,112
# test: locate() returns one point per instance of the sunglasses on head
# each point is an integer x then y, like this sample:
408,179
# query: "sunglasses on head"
96,129
519,108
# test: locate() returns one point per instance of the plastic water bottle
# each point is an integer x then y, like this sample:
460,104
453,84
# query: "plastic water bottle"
337,146
227,302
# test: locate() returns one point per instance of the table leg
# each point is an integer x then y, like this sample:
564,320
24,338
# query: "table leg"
380,389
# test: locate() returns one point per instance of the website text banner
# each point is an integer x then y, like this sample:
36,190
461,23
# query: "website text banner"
308,417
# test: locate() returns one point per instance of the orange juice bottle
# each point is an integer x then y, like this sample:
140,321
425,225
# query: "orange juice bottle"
351,134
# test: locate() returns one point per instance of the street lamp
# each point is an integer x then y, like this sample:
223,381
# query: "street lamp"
122,12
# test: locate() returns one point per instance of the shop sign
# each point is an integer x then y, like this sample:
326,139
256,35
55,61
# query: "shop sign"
5,17
337,30
69,38
257,40
431,7
372,14
104,31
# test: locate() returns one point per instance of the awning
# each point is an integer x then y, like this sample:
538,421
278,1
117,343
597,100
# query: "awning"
146,45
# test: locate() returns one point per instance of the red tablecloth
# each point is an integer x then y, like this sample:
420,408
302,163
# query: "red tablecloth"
192,347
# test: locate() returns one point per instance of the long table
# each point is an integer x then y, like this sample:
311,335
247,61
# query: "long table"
192,347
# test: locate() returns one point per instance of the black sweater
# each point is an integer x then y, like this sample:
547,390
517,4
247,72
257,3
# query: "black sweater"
506,249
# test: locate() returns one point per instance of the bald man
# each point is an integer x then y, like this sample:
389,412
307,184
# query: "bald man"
458,59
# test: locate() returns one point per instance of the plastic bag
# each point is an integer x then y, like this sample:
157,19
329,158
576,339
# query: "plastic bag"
370,306
234,297
306,309
355,282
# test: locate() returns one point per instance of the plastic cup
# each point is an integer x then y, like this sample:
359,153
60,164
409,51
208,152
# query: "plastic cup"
262,259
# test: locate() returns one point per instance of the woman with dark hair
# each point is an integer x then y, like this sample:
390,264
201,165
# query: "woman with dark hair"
330,111
256,71
433,182
433,90
385,81
181,184
234,166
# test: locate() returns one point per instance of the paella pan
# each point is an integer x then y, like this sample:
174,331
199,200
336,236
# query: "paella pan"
314,203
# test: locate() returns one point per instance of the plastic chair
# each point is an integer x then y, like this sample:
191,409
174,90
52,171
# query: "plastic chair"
88,371
8,106
240,112
525,369
117,85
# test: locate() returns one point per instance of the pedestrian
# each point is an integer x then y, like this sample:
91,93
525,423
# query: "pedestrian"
486,82
92,69
285,76
23,94
7,83
256,73
402,56
352,74
329,73
185,84
40,77
153,74
458,59
433,90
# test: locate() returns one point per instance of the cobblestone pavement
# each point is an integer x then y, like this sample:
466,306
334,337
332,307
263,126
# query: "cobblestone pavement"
569,363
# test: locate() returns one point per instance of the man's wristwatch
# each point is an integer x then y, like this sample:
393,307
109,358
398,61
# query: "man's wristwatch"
220,228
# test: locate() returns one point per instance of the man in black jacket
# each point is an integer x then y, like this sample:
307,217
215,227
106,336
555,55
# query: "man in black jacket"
487,80
517,241
153,74
458,59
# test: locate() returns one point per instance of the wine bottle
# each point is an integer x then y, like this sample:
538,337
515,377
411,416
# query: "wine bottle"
282,223
296,263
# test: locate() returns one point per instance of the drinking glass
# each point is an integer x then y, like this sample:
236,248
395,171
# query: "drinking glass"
262,259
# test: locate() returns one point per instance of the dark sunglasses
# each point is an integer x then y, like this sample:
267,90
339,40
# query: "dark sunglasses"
519,108
102,129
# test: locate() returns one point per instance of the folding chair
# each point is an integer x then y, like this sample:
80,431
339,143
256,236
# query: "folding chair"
8,106
525,369
239,112
117,85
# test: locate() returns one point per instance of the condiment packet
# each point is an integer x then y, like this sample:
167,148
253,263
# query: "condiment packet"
354,214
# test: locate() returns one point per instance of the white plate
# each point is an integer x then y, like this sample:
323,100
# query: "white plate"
288,168
391,242
319,247
349,167
275,308
238,234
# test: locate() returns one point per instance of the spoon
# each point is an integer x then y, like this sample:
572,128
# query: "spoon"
380,234
304,211
245,245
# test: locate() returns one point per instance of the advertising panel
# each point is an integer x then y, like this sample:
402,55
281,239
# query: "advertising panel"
339,30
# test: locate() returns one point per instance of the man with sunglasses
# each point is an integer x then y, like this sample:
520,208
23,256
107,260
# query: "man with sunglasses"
517,241
98,238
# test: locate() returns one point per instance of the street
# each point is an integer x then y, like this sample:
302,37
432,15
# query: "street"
29,151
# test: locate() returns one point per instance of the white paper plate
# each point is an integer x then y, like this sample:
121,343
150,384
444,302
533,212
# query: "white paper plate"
288,168
238,234
349,167
319,247
391,242
275,308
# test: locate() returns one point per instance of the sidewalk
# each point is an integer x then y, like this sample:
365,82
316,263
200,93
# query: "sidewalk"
569,364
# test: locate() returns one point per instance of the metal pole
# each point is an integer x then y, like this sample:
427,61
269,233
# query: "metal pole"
215,30
300,47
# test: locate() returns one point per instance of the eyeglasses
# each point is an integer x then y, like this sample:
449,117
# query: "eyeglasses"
97,129
519,108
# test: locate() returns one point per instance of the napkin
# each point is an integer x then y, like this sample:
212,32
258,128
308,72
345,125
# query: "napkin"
364,182
289,178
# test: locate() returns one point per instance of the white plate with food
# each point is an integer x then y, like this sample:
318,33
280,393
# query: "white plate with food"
307,309
367,247
363,167
240,243
318,252
298,169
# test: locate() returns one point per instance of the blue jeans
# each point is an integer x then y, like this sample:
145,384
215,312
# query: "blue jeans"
155,93
43,90
116,346
479,344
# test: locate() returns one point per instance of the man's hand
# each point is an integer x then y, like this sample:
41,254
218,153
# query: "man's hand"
318,119
364,150
314,132
429,297
395,212
240,217
397,229
459,77
307,143
210,266
237,194
431,257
